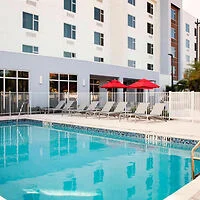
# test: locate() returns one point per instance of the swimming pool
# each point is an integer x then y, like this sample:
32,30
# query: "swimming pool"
61,162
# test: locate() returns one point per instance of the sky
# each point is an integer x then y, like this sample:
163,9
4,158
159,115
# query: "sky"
192,7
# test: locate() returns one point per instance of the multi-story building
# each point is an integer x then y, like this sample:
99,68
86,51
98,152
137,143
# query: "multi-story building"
177,40
70,46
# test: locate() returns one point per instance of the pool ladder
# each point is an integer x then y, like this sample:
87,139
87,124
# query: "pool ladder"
193,158
20,112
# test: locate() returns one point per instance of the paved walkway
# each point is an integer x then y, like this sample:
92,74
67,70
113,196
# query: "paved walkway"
173,128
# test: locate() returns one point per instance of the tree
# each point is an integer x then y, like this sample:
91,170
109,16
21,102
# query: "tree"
192,75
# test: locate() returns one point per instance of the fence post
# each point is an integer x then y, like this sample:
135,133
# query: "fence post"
192,105
30,99
170,104
10,101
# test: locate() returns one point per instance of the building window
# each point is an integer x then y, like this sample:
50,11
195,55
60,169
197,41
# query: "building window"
69,31
132,63
99,38
67,54
150,48
187,43
150,8
29,49
30,21
173,33
15,81
70,5
131,43
98,14
132,2
150,66
150,28
62,83
173,51
131,21
98,59
173,14
187,58
94,85
187,28
174,70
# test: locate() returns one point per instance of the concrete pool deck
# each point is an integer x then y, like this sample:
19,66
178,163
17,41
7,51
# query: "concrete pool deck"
173,128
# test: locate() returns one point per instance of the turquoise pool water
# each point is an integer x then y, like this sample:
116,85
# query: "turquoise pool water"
38,163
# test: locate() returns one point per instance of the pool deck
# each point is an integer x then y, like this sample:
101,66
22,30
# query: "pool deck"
172,128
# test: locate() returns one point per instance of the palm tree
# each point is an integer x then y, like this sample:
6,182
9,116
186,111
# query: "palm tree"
193,76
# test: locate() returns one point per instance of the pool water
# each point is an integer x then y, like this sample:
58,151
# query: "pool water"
38,163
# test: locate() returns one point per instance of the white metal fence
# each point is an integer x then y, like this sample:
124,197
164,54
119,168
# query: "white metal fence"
179,105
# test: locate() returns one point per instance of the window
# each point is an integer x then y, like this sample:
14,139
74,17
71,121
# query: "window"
150,28
187,58
30,21
174,70
94,86
70,5
150,66
131,43
69,31
98,59
132,63
173,33
173,51
29,49
187,28
195,46
187,43
99,38
150,8
132,2
173,14
62,83
69,54
150,48
131,21
98,14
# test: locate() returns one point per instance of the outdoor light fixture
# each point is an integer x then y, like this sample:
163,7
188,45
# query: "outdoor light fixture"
41,80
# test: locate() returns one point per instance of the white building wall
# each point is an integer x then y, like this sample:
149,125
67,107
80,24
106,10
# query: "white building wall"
188,19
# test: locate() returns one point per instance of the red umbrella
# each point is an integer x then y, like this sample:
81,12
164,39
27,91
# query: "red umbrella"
113,84
143,84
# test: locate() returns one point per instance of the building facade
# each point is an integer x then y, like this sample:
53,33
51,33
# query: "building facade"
76,46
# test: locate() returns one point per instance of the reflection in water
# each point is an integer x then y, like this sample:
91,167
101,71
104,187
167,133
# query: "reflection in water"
97,143
99,196
130,170
62,143
130,192
149,182
14,145
70,184
98,176
149,164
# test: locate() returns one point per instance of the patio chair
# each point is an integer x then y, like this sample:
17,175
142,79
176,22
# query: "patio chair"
156,112
107,107
81,107
120,108
91,107
58,107
68,106
140,110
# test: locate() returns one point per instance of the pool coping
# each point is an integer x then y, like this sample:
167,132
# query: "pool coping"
187,192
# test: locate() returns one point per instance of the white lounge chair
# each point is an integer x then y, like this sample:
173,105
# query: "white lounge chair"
120,108
140,110
107,107
156,112
91,107
81,107
58,107
68,106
